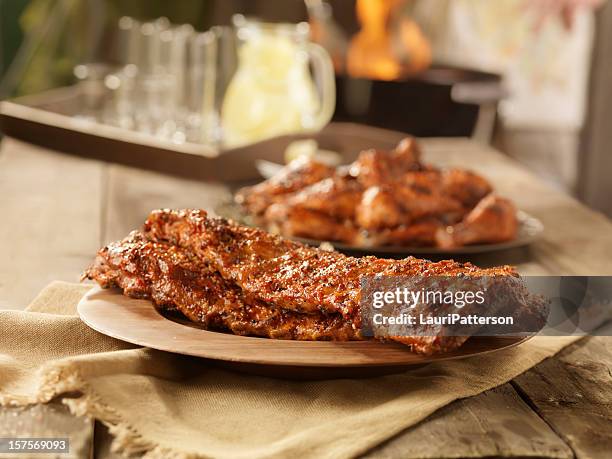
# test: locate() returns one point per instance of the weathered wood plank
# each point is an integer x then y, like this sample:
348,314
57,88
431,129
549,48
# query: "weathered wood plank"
51,420
496,423
595,186
573,394
50,207
576,239
133,193
50,210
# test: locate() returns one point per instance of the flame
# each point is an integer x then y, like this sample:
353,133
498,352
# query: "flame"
385,50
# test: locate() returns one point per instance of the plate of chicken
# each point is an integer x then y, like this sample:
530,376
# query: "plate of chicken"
385,202
232,285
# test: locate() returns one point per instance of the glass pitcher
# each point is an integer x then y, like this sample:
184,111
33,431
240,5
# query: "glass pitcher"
273,92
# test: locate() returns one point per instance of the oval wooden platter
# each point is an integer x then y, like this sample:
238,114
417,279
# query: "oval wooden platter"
138,322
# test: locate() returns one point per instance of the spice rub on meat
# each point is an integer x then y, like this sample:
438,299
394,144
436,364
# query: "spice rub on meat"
246,281
175,280
286,273
382,198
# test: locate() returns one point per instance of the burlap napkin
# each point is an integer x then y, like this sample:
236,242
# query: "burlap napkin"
167,405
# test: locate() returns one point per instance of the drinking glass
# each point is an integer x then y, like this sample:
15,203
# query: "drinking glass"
202,117
92,92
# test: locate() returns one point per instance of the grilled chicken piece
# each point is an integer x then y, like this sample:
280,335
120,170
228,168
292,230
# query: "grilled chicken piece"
336,196
296,175
324,210
408,151
427,180
378,208
376,200
419,203
295,221
374,167
287,274
420,233
492,220
465,186
175,280
334,208
390,206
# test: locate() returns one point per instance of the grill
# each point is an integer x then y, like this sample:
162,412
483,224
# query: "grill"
439,102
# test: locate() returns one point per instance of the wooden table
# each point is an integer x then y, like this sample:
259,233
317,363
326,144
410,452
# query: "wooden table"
57,210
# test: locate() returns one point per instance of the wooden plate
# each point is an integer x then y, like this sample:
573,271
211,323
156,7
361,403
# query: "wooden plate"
529,230
138,322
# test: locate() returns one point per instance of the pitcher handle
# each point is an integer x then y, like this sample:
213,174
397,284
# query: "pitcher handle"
324,76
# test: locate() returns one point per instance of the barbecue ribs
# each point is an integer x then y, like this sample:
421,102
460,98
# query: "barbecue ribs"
288,274
175,280
246,281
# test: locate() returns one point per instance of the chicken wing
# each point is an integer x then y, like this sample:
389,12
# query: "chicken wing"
421,233
492,220
378,208
384,197
465,186
295,221
336,196
296,175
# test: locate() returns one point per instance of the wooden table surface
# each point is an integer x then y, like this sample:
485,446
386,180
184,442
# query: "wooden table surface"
57,210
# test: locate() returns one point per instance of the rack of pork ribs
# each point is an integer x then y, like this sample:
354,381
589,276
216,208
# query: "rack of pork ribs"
246,281
382,198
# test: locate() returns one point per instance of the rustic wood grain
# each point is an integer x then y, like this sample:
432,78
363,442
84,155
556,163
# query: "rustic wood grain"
76,210
594,183
133,193
496,423
573,394
576,239
50,207
52,420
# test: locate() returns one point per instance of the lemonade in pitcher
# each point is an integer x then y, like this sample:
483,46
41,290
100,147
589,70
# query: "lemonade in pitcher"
273,92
